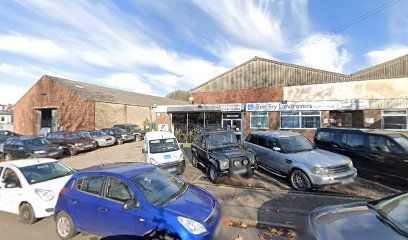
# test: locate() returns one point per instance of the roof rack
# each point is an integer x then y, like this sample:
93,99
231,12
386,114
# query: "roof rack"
210,128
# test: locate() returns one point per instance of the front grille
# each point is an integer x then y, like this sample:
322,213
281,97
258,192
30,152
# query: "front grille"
339,169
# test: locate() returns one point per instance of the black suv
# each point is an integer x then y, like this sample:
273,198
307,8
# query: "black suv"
219,152
133,129
31,147
380,152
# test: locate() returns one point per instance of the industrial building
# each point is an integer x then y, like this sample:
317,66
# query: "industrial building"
53,104
267,94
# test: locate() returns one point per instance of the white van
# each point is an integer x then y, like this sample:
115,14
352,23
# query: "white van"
163,150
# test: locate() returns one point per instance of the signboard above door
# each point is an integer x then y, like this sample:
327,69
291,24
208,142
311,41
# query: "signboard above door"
235,107
308,106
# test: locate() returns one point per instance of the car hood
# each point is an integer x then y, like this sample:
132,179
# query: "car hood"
195,204
55,184
319,158
231,152
349,222
166,157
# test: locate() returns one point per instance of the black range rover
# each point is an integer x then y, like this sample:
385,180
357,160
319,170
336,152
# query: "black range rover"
219,152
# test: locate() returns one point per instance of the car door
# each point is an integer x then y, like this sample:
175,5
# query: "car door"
277,158
130,222
200,148
10,197
84,202
258,145
325,139
353,145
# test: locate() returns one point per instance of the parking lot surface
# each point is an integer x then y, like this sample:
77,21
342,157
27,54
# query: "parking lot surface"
264,207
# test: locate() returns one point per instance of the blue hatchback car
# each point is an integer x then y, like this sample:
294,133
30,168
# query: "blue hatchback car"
136,200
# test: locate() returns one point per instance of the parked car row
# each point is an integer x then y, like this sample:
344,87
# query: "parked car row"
56,144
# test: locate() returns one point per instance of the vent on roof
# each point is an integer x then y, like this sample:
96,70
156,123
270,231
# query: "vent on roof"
78,86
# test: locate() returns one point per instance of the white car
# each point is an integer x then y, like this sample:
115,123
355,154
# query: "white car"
163,150
30,187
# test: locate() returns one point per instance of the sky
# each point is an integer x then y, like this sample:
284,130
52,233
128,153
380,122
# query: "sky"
155,47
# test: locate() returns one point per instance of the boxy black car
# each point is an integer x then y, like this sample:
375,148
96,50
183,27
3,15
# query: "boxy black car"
30,147
380,152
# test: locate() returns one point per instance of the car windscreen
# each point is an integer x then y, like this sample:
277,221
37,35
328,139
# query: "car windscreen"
295,144
395,210
158,186
163,145
216,140
402,140
119,131
98,134
45,172
36,142
133,128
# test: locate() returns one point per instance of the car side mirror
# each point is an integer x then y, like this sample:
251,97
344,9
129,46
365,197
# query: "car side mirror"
144,150
277,149
131,203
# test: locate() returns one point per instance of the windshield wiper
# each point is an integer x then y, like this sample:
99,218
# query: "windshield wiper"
382,216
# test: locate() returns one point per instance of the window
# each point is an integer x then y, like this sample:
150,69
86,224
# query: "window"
326,137
259,120
10,176
394,119
118,191
382,145
91,185
261,141
300,119
3,119
271,143
352,141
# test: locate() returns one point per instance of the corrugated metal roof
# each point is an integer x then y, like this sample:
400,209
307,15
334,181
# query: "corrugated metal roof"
260,73
111,95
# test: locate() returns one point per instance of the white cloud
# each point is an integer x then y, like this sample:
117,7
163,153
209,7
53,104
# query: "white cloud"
31,46
11,93
382,55
127,81
327,53
232,56
21,72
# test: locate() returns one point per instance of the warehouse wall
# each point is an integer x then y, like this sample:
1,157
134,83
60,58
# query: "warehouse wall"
370,89
73,112
109,114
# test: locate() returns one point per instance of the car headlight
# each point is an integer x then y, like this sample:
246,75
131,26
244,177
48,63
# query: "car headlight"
224,164
245,162
181,157
39,152
350,164
321,170
236,163
252,159
46,195
59,147
153,161
192,226
78,144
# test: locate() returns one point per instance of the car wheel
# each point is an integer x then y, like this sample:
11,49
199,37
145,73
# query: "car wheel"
72,152
65,226
27,215
249,174
119,141
7,157
212,174
194,160
300,181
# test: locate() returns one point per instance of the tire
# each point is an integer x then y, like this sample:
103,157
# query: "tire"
249,174
212,174
65,226
119,141
7,157
300,181
161,236
27,215
194,160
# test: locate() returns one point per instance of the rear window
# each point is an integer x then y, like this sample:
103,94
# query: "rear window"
325,136
352,141
92,184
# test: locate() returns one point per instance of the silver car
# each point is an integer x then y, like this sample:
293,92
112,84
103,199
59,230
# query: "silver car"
291,155
102,138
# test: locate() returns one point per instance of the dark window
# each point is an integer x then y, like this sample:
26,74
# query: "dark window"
271,143
1,169
10,176
382,144
352,141
261,141
91,184
254,139
118,190
325,136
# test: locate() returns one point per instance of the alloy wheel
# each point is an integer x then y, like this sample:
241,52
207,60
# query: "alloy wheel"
63,226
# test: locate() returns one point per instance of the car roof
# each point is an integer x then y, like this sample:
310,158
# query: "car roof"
277,134
28,162
159,135
364,130
126,169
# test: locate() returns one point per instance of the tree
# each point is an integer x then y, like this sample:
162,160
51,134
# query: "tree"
179,95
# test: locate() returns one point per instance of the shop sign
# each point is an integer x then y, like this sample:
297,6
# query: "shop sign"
231,107
308,106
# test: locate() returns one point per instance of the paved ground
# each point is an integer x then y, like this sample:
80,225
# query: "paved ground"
263,207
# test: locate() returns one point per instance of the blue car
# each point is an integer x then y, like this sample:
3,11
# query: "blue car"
135,201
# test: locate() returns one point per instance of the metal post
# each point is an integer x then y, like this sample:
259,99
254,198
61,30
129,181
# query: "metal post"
187,129
204,119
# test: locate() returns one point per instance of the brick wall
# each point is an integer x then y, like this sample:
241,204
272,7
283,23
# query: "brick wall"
73,112
274,94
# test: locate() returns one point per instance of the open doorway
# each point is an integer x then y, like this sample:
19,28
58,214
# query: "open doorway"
47,120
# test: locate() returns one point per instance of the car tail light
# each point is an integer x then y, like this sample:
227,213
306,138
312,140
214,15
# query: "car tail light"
63,191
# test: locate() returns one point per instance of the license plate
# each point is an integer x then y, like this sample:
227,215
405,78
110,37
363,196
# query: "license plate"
171,169
240,171
167,157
